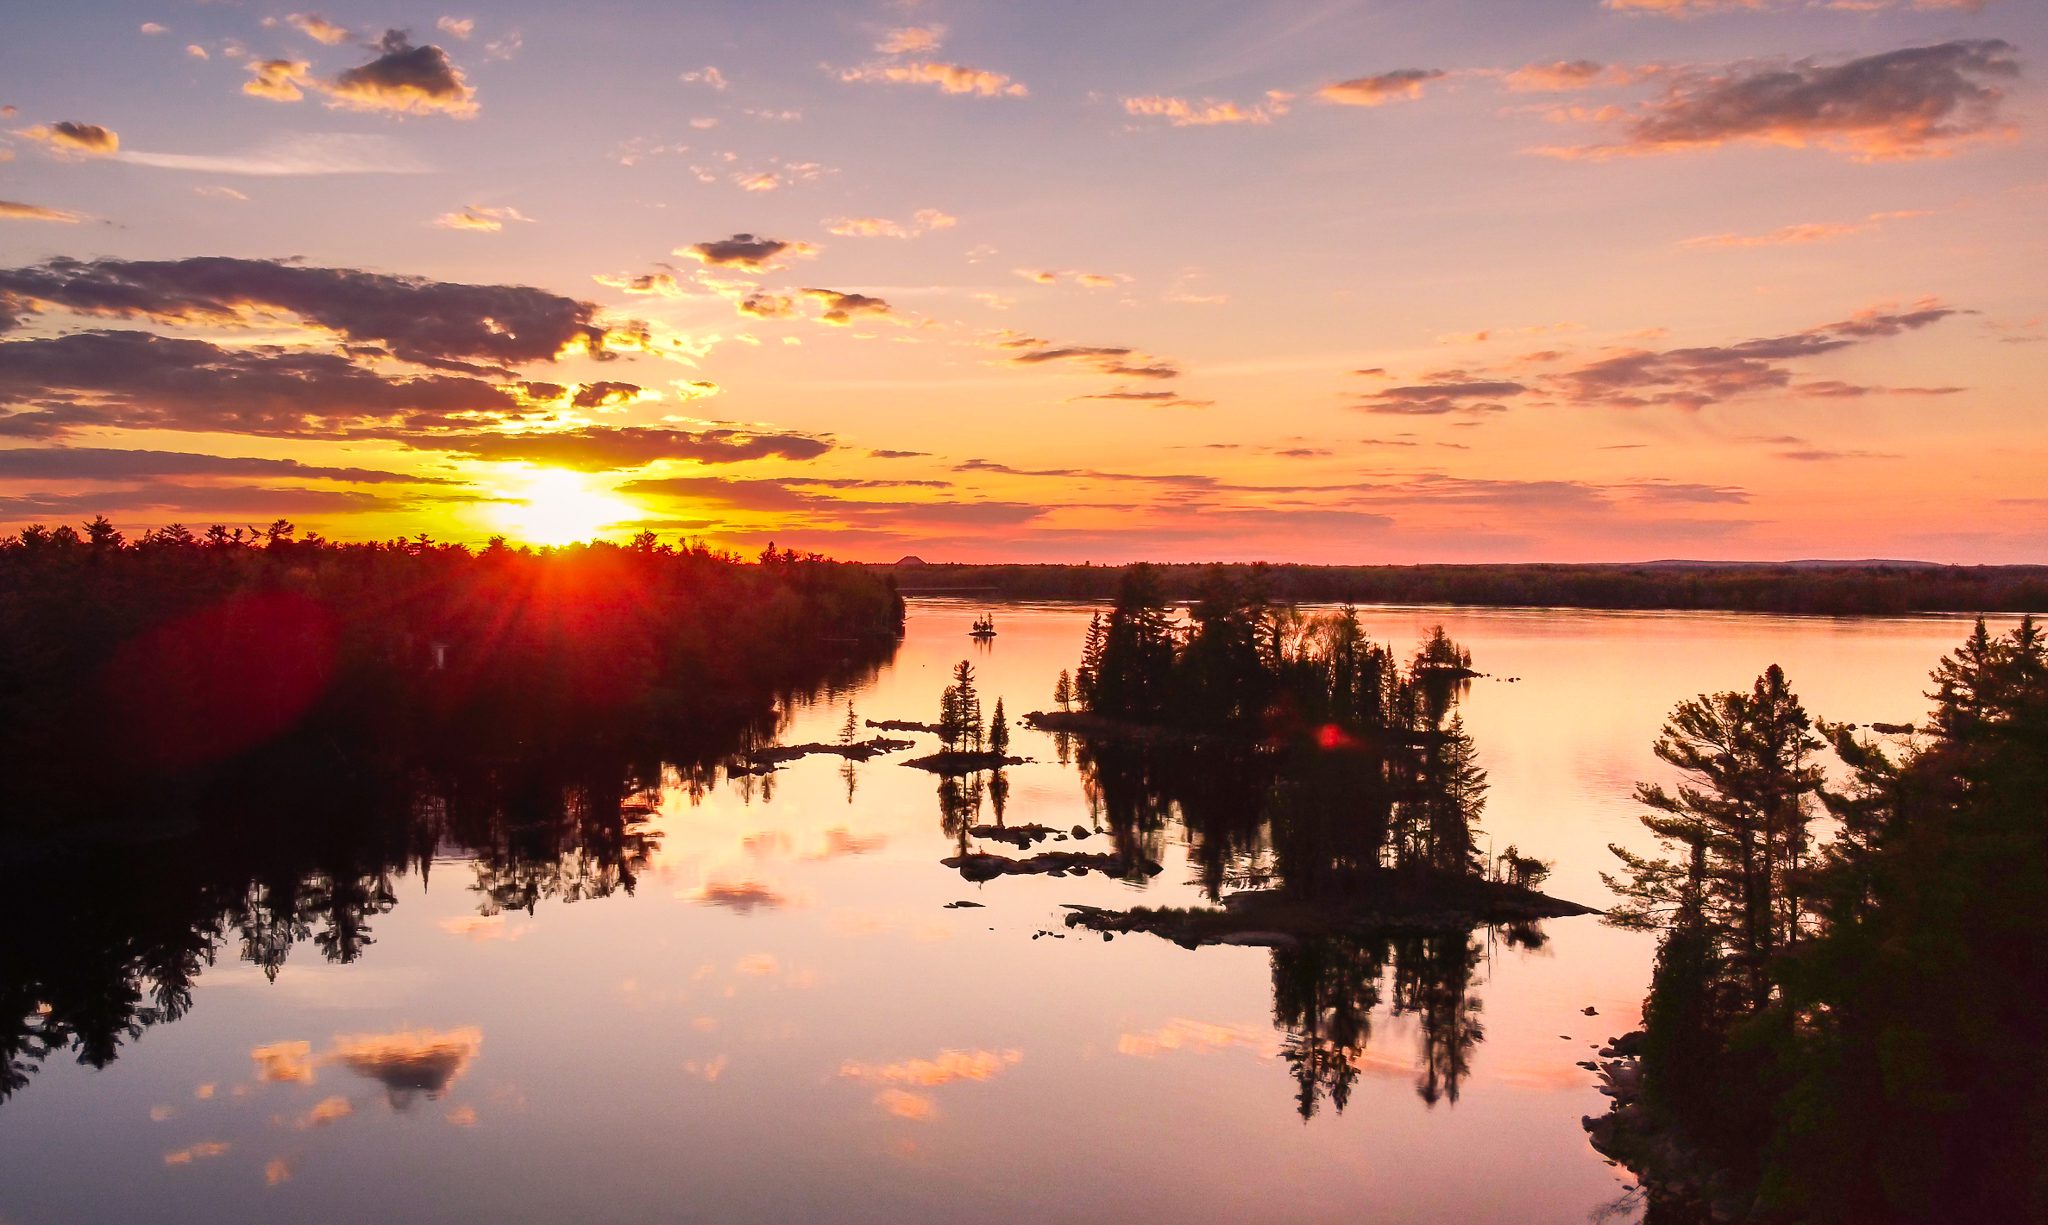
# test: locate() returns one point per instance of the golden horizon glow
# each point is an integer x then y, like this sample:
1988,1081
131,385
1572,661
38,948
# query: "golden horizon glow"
555,506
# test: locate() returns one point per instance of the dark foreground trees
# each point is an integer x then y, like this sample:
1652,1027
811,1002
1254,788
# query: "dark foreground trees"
130,661
1862,1035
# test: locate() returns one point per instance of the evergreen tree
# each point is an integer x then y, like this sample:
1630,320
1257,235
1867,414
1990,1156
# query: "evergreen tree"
1063,691
967,707
1456,791
1091,662
999,732
1135,668
1742,814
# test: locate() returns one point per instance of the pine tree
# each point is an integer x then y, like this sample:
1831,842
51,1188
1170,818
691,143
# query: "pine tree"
1091,663
967,712
949,719
1742,814
849,731
999,732
1458,792
1063,691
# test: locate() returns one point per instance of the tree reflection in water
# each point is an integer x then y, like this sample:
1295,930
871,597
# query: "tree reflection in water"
1318,827
110,925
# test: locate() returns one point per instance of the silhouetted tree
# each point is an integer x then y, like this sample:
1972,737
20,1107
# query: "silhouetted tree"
1742,816
999,732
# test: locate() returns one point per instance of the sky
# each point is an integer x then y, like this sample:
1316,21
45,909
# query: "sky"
1348,282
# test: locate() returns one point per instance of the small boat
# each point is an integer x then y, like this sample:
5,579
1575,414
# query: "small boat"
984,627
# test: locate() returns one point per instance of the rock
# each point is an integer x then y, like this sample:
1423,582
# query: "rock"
981,865
1079,831
1590,1011
963,905
1019,836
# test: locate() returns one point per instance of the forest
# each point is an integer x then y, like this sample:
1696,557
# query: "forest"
195,653
1846,1021
1817,588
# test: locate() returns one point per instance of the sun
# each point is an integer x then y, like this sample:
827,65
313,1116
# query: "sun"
556,506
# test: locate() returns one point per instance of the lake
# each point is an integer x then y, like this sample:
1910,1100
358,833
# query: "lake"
782,1019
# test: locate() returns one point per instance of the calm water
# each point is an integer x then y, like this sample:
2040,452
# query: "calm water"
782,1020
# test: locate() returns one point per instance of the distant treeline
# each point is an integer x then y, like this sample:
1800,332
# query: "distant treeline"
180,653
1822,588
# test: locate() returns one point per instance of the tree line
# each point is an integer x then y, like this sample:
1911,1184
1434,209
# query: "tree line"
1829,588
192,651
1855,1027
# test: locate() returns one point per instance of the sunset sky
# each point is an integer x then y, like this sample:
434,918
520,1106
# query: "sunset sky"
1344,282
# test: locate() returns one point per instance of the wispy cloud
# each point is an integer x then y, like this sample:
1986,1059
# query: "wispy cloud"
304,154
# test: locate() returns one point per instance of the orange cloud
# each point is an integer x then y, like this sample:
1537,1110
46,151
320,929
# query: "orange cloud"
279,80
923,221
78,139
746,251
410,1062
196,1152
328,1110
911,40
949,1066
951,78
841,309
1182,113
1400,85
14,210
284,1062
478,218
913,1106
318,28
403,79
1563,76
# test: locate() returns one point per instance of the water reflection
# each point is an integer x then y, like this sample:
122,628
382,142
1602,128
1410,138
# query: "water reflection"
1320,823
301,845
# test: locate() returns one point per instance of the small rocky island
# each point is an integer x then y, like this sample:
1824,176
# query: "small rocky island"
1349,762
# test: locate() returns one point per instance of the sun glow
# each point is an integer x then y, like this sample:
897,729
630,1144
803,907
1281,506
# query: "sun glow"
556,506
